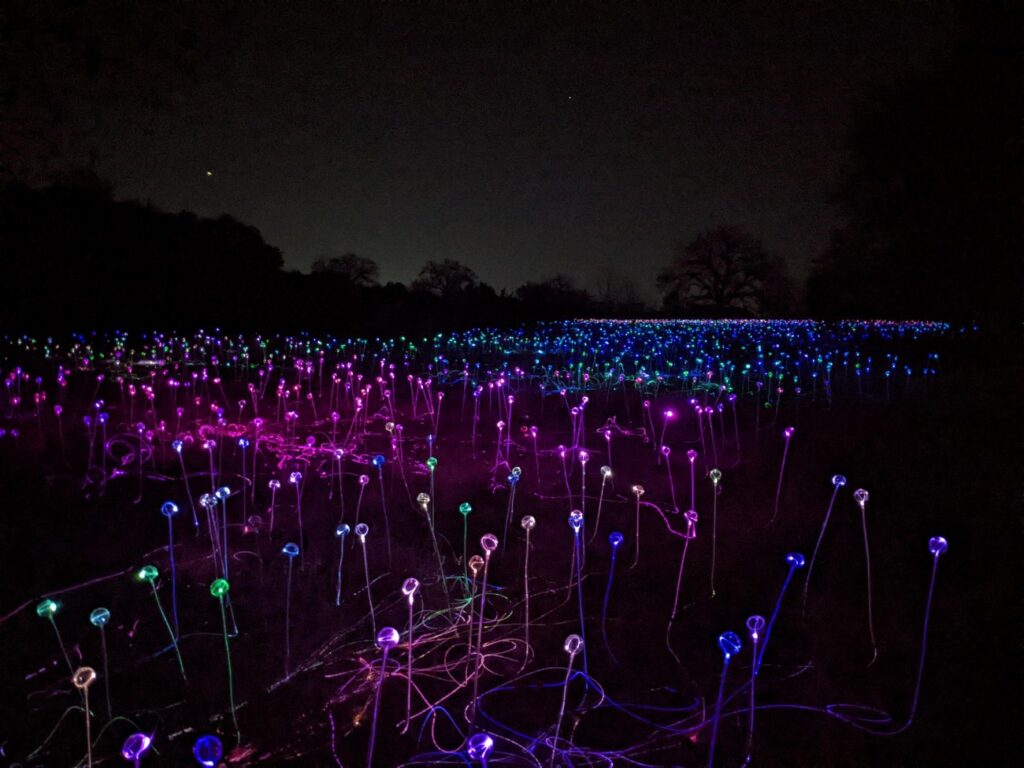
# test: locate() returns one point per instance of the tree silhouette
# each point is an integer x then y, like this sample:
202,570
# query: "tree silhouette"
723,272
931,201
446,278
349,269
554,298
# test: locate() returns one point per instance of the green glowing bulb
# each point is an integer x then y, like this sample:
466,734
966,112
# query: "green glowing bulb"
432,463
147,573
465,508
46,609
219,588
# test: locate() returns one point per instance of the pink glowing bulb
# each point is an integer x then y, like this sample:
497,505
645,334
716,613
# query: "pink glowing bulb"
691,455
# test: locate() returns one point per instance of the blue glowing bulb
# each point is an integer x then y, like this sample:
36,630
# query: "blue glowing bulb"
730,644
379,460
291,549
222,493
99,617
177,446
615,539
169,509
208,750
937,545
242,443
479,746
576,520
755,626
795,560
838,480
342,530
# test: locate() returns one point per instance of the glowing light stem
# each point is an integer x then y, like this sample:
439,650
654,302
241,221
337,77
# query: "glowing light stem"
88,727
526,593
579,596
231,673
718,710
600,501
711,428
167,624
924,637
369,596
788,433
287,622
793,565
341,560
604,604
565,474
753,681
636,535
693,479
671,481
376,703
561,709
384,507
408,686
174,575
817,544
60,642
714,532
480,636
867,566
675,601
188,491
106,673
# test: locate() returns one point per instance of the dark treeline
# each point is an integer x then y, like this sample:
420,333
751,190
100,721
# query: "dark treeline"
76,258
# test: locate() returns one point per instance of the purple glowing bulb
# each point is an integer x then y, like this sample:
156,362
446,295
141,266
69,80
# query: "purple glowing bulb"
387,638
135,747
691,455
937,545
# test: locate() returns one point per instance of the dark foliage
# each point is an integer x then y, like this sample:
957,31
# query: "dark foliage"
932,198
76,258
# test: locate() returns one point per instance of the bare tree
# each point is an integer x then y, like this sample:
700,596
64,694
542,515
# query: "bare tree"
445,278
350,269
725,272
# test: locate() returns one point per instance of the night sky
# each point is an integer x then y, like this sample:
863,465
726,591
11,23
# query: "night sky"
521,139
